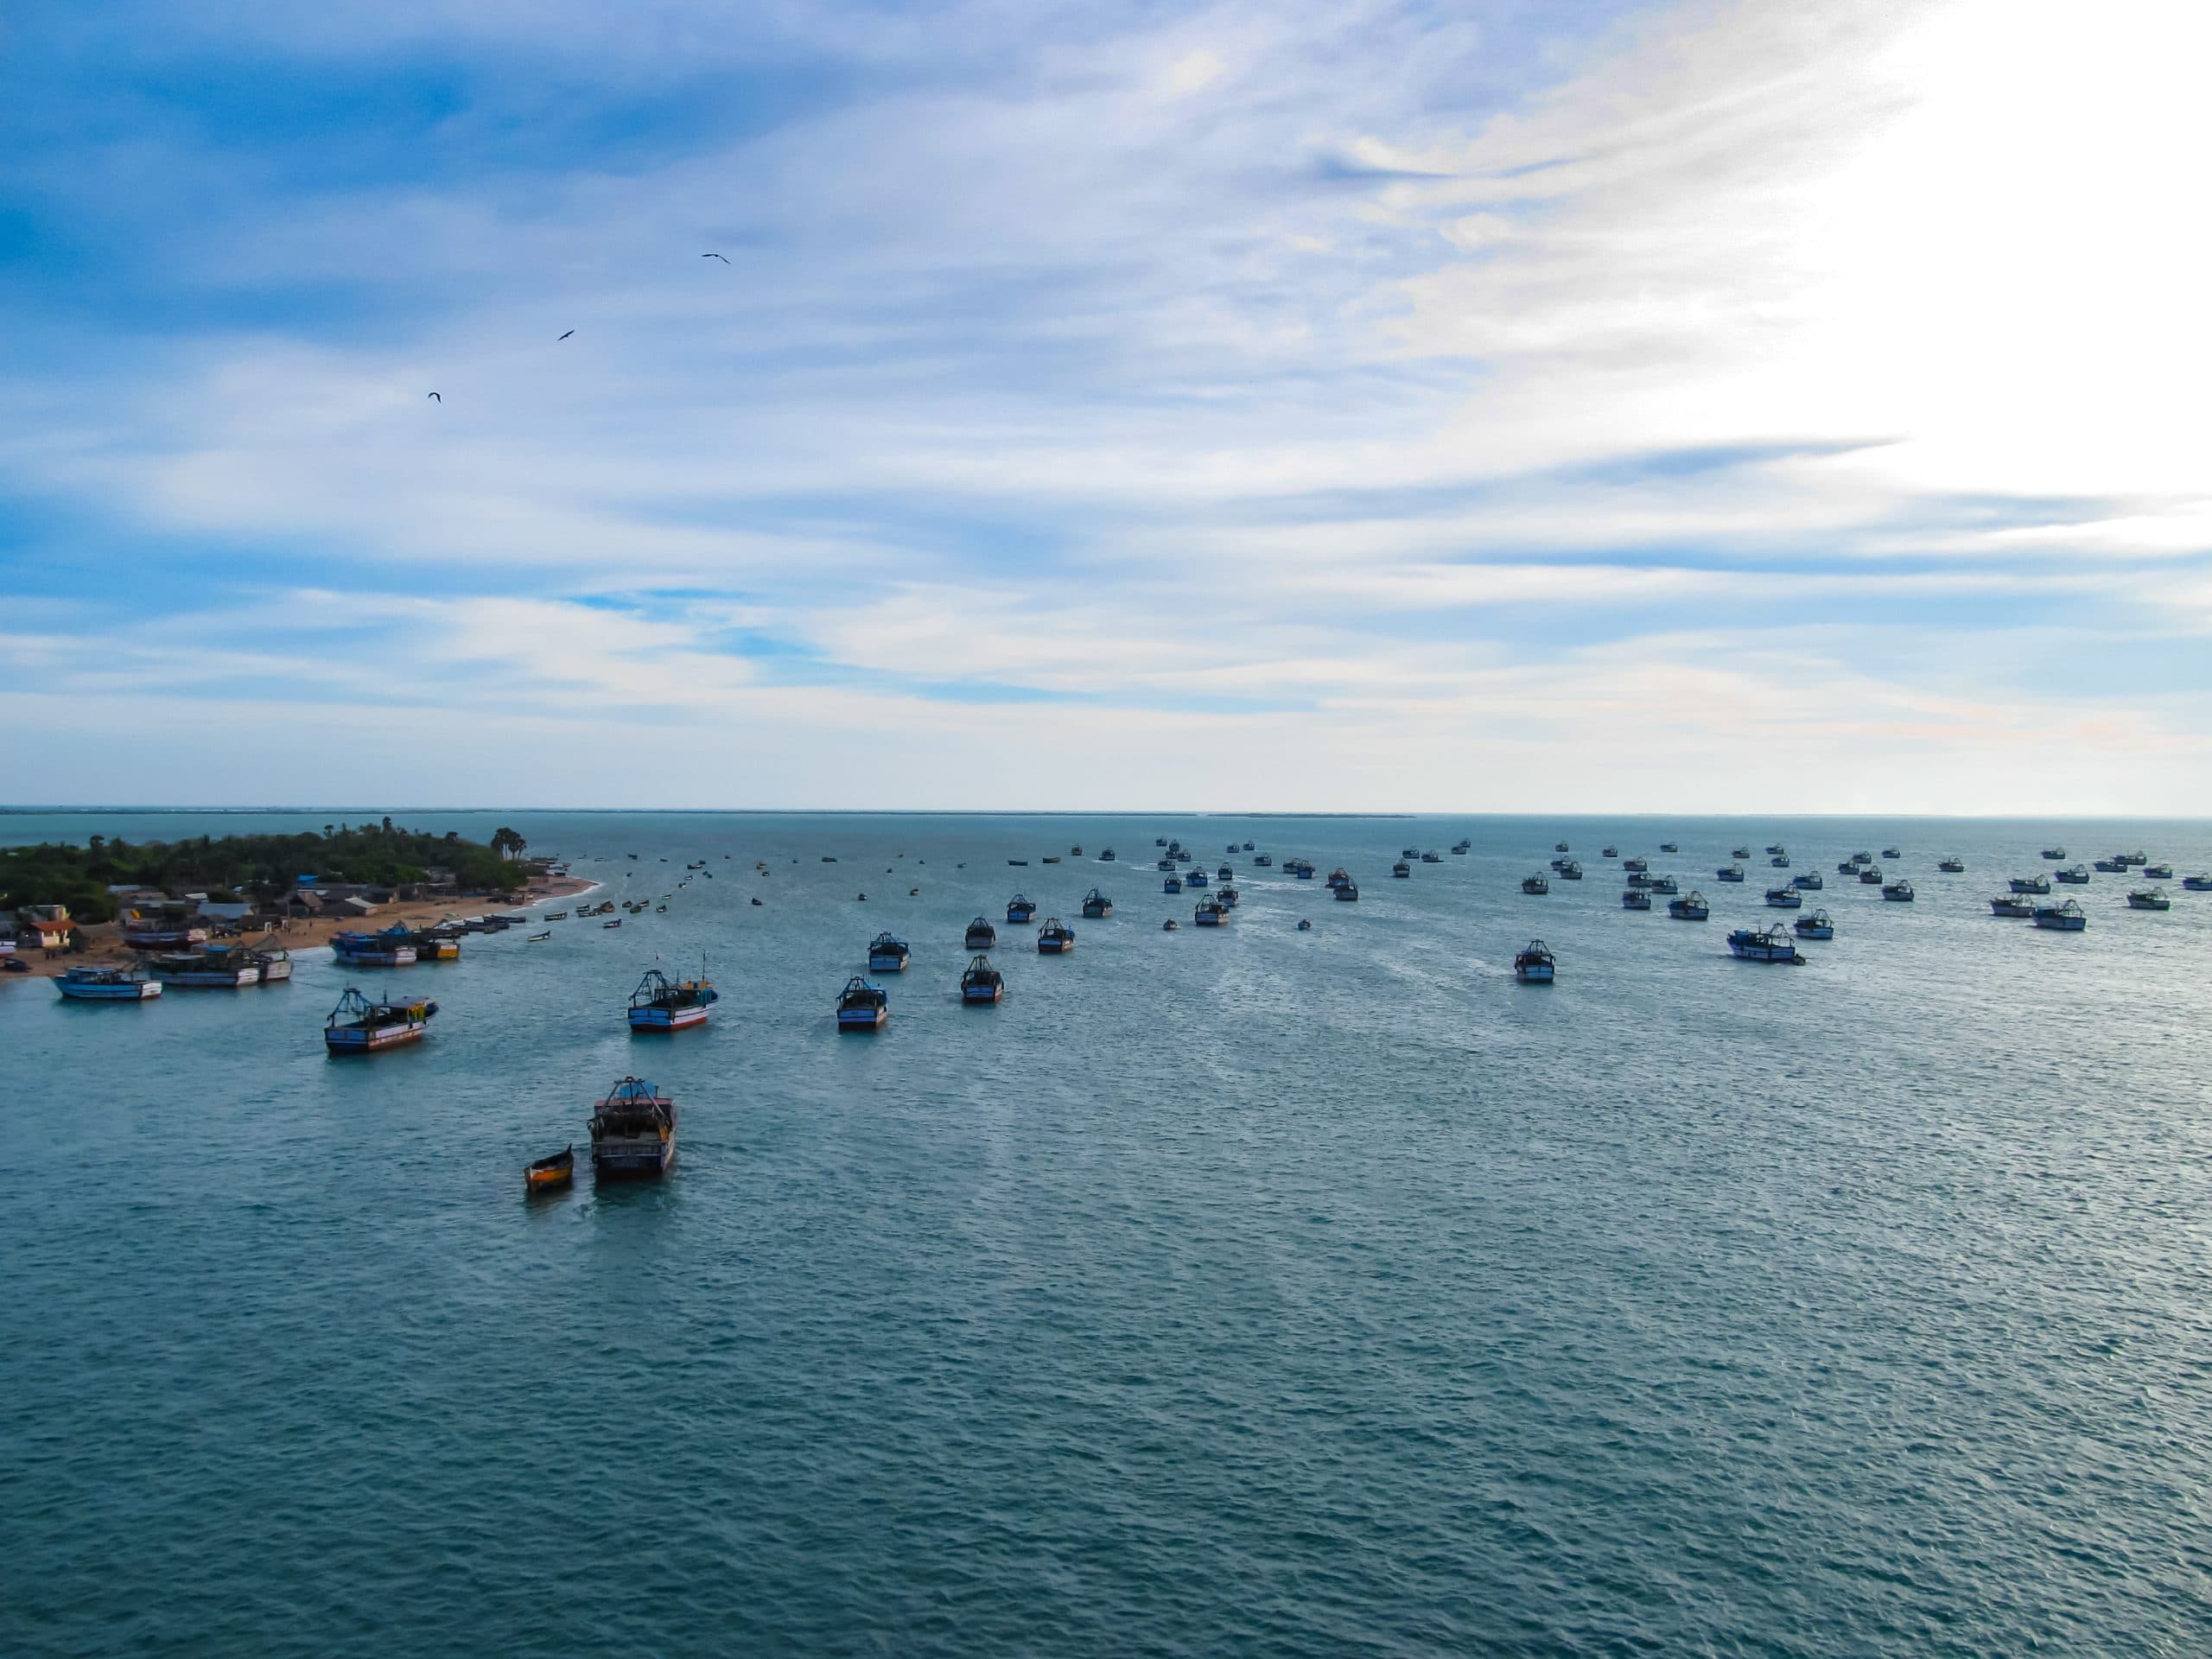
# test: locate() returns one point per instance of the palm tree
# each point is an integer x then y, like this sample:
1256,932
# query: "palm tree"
507,843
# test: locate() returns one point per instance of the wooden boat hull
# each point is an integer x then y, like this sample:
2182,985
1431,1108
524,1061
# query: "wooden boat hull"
80,992
1533,976
619,1157
404,957
1054,947
666,1019
981,995
886,964
228,979
366,1040
550,1178
861,1019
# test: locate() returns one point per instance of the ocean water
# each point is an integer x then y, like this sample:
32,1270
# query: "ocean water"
1236,1292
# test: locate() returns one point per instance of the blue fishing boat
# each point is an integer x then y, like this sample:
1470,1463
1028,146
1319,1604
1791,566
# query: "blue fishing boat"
1570,871
1663,884
1763,944
1784,898
1055,938
1096,907
2036,884
1402,871
1226,898
982,936
2064,918
392,948
981,982
2149,898
1172,884
1729,873
2013,906
1194,878
1636,863
1535,884
1019,909
1211,913
1898,892
1691,907
1635,898
662,1004
1349,892
82,984
2057,855
1533,965
2196,883
862,1006
1951,864
358,1026
888,953
1818,925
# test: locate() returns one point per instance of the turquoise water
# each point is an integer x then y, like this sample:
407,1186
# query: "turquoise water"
1249,1293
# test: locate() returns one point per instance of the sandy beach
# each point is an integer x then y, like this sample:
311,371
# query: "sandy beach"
105,947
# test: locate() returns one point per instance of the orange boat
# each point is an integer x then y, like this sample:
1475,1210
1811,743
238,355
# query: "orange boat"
550,1175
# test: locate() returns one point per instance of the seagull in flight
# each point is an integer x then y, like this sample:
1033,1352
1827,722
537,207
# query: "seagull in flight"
564,336
714,256
435,395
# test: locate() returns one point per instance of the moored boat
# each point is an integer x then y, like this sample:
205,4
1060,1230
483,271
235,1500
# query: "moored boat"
1663,884
1402,871
392,948
1691,907
1780,861
1559,847
1784,898
1870,876
981,982
2112,867
1172,884
982,936
862,1007
358,1026
1570,871
1763,944
633,1130
888,953
662,1004
1635,898
1106,856
2037,883
2012,905
1891,852
1096,907
1194,878
1818,925
1210,912
83,984
1729,873
1055,938
2075,875
2157,872
1898,892
1261,861
2055,854
1807,881
2149,898
1669,847
1638,862
220,967
2063,917
1349,892
1951,864
1534,884
1019,909
1338,877
2196,883
1533,964
1226,897
550,1175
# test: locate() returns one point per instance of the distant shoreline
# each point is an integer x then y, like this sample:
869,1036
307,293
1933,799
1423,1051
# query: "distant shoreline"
1579,815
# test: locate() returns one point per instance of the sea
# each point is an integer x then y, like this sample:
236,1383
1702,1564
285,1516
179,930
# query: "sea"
1222,1292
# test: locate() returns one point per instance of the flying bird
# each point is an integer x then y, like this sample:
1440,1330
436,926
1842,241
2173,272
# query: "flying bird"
714,256
435,395
564,336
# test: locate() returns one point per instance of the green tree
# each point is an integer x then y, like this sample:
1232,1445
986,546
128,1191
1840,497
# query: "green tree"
507,843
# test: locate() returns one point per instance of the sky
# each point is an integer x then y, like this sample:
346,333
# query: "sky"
1492,406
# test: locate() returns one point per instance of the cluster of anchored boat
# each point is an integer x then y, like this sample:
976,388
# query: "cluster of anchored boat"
2067,916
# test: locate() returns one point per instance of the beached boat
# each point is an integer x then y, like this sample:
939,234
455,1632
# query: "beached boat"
862,1007
1729,873
550,1175
662,1004
981,982
1763,944
1534,884
2075,875
1019,909
1532,963
167,927
2012,905
2149,898
2037,883
1096,907
1784,898
374,950
1055,938
1898,892
82,984
1210,912
2064,918
1691,907
1818,925
633,1130
358,1026
1635,898
888,953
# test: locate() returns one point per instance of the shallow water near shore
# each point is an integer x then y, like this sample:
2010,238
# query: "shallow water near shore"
1220,1293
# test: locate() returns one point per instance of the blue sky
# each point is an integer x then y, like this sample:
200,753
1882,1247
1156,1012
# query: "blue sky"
1489,406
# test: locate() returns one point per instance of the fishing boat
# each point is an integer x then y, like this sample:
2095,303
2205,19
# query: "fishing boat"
1559,847
662,1004
1532,963
2012,905
1669,847
1807,881
1301,869
1891,852
1075,852
1226,897
1609,852
1055,938
1304,925
1106,856
887,954
2149,898
1019,909
1194,878
83,984
2130,858
981,982
1408,852
217,968
1663,884
2112,867
2158,871
1402,871
1349,893
1570,871
1535,884
1170,926
2065,917
431,945
1691,907
1779,850
1019,863
1870,876
1248,846
1635,898
169,927
1165,864
1818,925
1096,907
1224,873
1898,892
1763,944
2057,855
1638,862
1849,866
555,916
615,922
862,1007
1784,898
1780,862
2196,883
1052,859
2037,883
1740,852
1338,877
1159,840
1172,884
633,1130
1261,861
550,1175
2075,875
1463,846
1951,864
274,961
374,950
358,1026
536,939
1729,873
1432,857
1210,912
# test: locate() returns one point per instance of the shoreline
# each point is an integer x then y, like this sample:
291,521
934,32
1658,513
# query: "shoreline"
104,948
